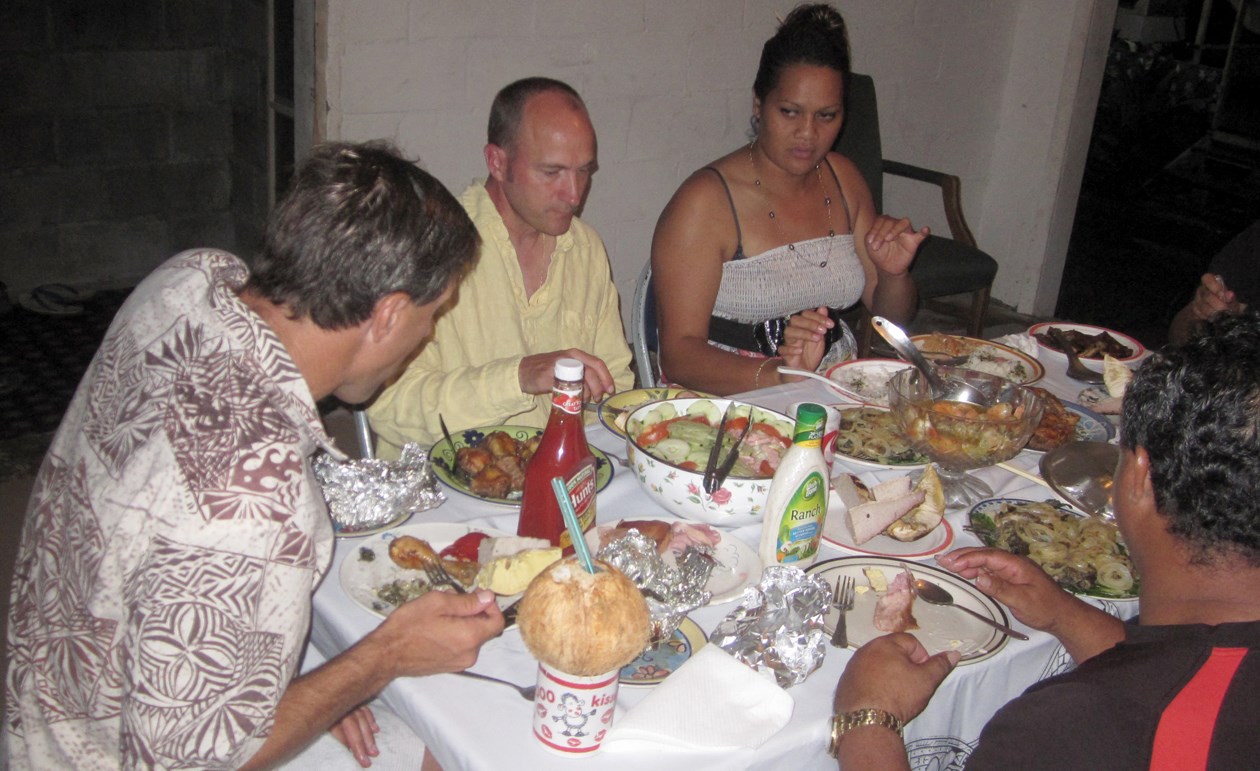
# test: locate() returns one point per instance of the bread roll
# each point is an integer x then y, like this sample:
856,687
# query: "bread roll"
582,623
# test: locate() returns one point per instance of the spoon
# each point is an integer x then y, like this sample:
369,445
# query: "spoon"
526,691
1075,369
934,594
955,390
808,374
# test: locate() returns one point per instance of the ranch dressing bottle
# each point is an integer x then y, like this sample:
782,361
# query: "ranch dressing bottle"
797,503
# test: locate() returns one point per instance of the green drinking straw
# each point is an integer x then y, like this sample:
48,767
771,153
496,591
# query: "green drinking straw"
571,522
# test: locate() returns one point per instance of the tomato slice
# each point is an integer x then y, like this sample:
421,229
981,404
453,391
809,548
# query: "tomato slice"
735,425
773,433
465,547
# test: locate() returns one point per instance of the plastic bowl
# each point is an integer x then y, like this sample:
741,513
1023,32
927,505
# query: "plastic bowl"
957,436
739,501
1047,354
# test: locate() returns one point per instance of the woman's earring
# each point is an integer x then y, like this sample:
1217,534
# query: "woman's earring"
754,121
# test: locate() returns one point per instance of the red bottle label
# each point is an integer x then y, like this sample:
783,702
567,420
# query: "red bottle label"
568,401
581,488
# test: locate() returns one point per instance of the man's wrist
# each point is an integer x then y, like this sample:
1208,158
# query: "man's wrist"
845,722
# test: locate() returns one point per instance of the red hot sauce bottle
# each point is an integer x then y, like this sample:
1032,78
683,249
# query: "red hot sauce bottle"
562,452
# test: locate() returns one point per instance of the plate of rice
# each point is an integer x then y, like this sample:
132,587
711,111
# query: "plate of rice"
981,356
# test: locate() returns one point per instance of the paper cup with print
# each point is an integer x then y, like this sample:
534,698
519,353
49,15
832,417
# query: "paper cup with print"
572,714
830,431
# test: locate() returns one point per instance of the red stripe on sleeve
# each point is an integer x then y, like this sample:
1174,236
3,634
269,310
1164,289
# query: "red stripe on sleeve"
1184,735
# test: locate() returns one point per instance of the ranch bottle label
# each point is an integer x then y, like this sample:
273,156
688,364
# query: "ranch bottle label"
800,527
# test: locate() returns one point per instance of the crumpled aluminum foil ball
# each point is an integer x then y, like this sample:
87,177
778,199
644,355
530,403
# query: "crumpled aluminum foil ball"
779,624
671,592
370,493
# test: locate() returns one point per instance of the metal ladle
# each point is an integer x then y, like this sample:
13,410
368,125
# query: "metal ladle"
953,390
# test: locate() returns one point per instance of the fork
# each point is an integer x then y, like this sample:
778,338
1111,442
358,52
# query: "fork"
526,691
438,576
842,600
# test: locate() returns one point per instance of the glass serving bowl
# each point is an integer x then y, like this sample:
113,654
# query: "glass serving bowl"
959,437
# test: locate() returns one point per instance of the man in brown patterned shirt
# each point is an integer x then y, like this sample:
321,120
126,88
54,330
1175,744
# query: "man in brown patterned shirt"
162,590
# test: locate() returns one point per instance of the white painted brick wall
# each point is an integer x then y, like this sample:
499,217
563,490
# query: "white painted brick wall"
668,84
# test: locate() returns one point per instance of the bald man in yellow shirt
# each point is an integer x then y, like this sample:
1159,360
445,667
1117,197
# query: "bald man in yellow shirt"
541,289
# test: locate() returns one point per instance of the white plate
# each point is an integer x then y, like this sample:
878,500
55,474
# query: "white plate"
836,533
941,628
1046,353
1031,370
360,578
865,380
738,566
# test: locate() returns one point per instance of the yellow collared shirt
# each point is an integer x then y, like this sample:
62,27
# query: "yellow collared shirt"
469,371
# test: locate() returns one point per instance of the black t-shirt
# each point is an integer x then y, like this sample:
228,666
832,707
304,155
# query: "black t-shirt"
1105,714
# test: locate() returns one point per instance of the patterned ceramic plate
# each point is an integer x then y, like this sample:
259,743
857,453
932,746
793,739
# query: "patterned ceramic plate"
941,628
443,456
865,380
1091,427
984,356
660,661
623,403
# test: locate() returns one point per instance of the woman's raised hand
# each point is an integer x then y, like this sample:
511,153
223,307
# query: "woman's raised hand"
805,338
891,243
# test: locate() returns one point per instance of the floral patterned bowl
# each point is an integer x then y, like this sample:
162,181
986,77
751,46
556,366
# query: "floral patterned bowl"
738,502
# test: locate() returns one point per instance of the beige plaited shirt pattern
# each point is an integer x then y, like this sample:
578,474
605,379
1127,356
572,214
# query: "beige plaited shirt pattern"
175,535
469,371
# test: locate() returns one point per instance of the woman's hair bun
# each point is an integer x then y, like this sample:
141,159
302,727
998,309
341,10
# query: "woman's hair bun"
814,15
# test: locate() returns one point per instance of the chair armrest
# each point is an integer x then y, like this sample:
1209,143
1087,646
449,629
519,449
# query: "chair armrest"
951,195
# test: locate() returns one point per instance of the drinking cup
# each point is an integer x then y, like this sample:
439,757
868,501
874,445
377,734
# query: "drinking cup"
572,713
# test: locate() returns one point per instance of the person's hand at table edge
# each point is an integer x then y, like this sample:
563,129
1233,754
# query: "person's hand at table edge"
357,731
1036,600
537,373
893,674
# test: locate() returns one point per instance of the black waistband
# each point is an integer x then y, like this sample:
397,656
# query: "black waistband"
762,336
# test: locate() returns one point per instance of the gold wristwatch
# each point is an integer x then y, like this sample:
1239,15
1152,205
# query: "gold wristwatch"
840,724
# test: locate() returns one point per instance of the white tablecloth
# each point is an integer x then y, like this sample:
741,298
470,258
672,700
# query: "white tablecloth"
474,725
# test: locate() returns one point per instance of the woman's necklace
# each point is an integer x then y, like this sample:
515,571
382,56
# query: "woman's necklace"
831,231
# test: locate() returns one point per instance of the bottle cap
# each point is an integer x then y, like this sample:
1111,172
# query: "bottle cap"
809,414
569,370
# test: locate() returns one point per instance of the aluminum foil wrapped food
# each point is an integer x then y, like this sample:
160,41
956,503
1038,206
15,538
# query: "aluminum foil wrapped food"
370,493
779,624
671,591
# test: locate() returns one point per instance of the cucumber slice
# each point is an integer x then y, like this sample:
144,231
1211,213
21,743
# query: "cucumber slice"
672,450
706,409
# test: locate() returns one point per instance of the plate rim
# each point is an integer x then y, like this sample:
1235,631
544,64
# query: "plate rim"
1139,350
858,550
599,454
350,557
1038,368
874,360
691,636
1073,509
988,602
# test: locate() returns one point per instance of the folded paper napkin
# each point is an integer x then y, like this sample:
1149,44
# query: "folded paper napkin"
712,701
1020,341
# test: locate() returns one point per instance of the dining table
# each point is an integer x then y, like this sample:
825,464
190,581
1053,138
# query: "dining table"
471,724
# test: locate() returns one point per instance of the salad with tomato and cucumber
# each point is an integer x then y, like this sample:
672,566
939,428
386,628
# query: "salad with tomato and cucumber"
685,438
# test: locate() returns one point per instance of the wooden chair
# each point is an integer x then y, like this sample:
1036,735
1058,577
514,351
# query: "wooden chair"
943,266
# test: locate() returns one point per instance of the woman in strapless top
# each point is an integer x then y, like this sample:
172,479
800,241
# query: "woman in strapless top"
758,250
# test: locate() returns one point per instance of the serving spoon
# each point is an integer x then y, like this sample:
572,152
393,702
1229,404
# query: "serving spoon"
934,594
953,390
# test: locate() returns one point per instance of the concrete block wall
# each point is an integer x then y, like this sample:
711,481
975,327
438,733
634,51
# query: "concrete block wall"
669,85
133,129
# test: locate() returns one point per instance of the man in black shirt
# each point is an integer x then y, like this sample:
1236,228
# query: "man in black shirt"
1181,688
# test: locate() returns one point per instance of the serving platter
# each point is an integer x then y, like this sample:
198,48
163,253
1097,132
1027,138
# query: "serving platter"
738,566
985,356
981,521
361,575
1052,354
865,435
661,660
443,457
941,628
865,381
836,533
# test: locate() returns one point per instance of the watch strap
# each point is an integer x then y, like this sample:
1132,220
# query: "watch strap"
844,722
